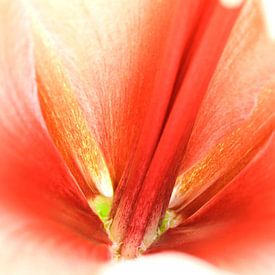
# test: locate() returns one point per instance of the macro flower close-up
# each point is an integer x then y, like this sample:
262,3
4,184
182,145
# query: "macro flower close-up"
137,136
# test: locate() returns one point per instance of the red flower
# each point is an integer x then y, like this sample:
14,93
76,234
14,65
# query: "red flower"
133,127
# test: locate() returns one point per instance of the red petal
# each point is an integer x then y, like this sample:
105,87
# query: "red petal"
108,52
35,186
184,21
236,229
157,185
238,106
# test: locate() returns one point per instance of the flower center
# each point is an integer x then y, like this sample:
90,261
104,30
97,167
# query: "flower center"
151,197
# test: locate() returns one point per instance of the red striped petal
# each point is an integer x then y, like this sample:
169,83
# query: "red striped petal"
180,30
148,197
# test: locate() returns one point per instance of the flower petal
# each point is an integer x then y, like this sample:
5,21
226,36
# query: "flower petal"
27,251
237,112
153,198
107,55
181,27
35,185
235,230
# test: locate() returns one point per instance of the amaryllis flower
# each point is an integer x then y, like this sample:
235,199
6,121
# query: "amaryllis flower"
132,128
